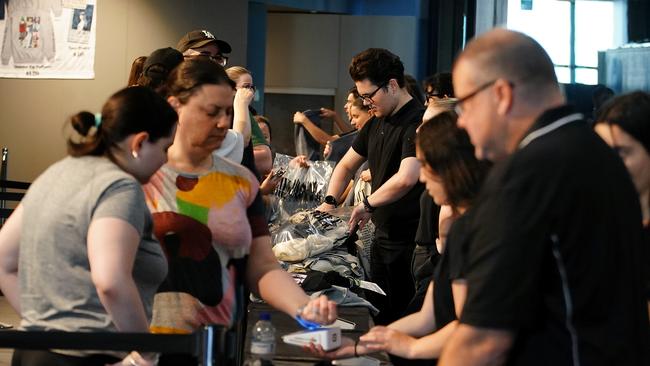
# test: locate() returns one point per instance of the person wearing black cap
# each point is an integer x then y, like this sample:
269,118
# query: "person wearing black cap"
204,43
157,67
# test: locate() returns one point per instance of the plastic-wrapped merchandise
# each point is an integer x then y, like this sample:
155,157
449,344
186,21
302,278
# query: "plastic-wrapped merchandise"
300,188
308,233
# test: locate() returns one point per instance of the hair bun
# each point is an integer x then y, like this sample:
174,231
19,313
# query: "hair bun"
82,122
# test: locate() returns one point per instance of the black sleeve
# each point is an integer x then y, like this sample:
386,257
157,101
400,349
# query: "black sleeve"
428,226
505,257
456,246
408,142
256,213
360,144
248,160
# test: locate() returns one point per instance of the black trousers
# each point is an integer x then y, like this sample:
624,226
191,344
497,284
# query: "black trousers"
391,270
47,358
422,266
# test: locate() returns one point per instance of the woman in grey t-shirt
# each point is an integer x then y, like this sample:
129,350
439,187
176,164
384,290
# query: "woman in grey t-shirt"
78,253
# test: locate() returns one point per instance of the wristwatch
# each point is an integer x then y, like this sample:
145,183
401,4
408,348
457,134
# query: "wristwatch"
367,206
330,200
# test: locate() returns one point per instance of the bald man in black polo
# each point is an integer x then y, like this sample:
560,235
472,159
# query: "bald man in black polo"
554,264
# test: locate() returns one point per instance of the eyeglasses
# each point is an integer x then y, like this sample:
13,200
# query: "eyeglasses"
459,102
368,97
219,59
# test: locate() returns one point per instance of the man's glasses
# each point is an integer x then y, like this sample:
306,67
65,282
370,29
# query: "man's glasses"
459,102
368,97
219,59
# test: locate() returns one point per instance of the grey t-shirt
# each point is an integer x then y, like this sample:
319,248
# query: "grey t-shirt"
56,289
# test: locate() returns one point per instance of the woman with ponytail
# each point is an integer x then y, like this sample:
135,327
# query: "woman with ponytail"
78,253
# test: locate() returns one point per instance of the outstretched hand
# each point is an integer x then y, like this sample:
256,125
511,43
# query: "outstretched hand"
381,338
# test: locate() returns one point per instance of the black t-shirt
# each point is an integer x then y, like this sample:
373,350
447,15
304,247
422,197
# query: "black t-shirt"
555,251
428,226
450,267
385,142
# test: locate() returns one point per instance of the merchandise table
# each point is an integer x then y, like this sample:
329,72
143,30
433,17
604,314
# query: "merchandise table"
287,354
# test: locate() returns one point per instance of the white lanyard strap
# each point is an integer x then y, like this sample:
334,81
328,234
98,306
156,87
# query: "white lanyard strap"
550,128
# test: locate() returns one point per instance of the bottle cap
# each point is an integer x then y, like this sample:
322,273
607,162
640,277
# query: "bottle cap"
265,316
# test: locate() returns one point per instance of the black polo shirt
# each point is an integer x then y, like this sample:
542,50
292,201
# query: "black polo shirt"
385,142
555,251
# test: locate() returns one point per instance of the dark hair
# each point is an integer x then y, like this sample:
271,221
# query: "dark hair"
262,119
599,97
450,154
413,88
440,84
131,110
631,112
378,65
136,70
193,73
353,90
154,78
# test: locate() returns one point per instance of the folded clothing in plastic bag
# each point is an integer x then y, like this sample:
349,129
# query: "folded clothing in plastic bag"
307,234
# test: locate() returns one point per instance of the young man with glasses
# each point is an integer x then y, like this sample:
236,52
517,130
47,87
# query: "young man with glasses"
554,264
387,142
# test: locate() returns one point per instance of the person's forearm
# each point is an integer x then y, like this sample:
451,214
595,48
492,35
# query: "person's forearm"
289,299
416,324
339,181
431,346
392,190
10,289
317,133
122,302
263,159
470,346
241,121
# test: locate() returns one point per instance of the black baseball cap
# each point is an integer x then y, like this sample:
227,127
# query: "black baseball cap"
199,38
168,57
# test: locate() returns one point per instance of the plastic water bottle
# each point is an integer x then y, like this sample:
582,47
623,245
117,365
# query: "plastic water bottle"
263,342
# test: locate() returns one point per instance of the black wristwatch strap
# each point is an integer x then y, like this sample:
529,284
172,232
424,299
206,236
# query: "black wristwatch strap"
367,206
330,200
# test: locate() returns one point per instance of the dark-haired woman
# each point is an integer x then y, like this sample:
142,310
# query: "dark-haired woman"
624,124
78,252
453,177
214,238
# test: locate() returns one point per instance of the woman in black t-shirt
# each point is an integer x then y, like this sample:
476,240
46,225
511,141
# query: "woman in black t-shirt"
453,176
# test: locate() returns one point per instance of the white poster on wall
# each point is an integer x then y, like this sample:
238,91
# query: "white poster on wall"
48,39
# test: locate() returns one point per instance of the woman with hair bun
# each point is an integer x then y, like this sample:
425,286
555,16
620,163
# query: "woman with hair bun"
78,253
